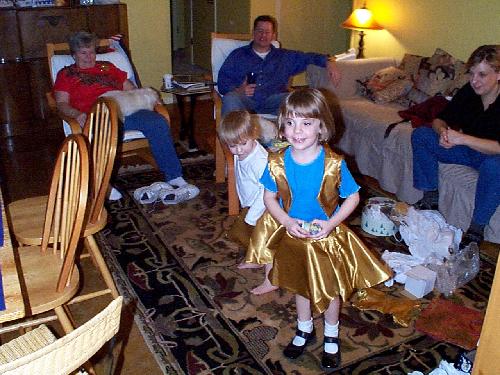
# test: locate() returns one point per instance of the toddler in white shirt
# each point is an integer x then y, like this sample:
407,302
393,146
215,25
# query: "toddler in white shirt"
240,132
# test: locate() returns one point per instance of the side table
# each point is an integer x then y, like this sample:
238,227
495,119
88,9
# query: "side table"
187,127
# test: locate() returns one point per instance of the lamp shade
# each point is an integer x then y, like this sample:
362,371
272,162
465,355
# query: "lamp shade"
361,19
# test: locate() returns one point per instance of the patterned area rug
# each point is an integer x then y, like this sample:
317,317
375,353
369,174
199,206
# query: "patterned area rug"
194,306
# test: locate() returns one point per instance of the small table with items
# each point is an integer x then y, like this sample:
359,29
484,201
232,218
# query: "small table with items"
192,87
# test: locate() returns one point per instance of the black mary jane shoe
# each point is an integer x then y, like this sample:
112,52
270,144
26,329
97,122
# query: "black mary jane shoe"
293,351
330,361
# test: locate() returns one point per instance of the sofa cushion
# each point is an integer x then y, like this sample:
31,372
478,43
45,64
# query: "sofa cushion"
386,159
457,189
386,85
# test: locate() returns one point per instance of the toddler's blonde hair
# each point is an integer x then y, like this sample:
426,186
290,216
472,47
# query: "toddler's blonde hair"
308,103
237,127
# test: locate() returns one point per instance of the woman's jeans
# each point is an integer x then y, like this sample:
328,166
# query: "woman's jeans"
427,153
157,131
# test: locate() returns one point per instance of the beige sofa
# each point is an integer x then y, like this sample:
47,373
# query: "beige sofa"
389,160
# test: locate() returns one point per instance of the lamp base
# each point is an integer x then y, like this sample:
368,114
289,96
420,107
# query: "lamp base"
361,46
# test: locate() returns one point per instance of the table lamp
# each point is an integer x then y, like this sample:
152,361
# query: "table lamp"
361,19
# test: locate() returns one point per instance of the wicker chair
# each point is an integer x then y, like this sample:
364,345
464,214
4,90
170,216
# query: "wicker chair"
39,352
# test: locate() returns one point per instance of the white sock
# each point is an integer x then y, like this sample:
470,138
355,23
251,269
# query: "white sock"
178,182
331,331
306,326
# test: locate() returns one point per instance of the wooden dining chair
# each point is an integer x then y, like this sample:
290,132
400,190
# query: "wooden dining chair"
40,352
134,142
222,45
48,272
27,215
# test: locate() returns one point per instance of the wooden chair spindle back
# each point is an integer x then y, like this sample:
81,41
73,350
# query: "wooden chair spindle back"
101,130
67,203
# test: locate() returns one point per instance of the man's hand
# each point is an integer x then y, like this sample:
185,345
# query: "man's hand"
248,89
333,72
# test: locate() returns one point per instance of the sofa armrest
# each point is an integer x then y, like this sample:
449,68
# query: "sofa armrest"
350,70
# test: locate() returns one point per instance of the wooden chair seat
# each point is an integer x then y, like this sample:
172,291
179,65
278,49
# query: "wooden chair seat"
26,218
26,213
48,274
40,274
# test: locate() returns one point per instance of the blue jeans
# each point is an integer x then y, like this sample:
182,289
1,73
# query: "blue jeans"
156,130
233,101
427,153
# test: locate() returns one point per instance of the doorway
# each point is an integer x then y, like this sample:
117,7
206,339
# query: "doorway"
192,22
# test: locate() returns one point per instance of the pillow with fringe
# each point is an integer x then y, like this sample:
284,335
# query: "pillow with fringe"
131,101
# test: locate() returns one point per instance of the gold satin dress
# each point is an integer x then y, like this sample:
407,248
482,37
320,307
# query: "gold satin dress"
319,270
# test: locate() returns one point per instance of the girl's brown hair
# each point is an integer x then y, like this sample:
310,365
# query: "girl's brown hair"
237,127
308,103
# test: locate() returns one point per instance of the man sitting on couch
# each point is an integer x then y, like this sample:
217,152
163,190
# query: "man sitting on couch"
467,132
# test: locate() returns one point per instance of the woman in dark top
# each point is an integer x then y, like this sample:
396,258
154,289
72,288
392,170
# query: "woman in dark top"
467,132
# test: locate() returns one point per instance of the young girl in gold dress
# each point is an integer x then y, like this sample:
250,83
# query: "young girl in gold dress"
314,255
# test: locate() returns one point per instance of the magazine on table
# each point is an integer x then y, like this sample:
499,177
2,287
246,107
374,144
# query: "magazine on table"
190,82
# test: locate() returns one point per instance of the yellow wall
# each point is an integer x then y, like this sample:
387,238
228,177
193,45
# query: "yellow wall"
419,27
311,26
232,16
457,26
149,34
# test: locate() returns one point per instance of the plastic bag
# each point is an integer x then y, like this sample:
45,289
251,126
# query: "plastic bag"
457,270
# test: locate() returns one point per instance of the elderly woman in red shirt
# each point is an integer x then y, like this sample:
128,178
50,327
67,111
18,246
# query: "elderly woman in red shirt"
78,86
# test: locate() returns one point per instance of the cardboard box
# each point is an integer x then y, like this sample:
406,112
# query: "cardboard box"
420,281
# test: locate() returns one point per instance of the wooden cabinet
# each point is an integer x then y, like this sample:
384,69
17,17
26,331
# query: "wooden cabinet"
9,33
24,74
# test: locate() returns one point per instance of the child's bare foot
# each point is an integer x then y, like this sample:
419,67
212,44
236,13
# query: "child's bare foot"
244,266
264,288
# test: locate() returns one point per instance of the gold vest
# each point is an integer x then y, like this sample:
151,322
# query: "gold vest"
328,196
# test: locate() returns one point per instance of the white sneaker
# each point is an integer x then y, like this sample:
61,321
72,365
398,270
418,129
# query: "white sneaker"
152,193
180,194
114,195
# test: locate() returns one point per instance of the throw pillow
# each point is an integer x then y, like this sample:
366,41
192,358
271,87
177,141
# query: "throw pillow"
436,73
410,65
386,85
414,96
131,101
461,78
